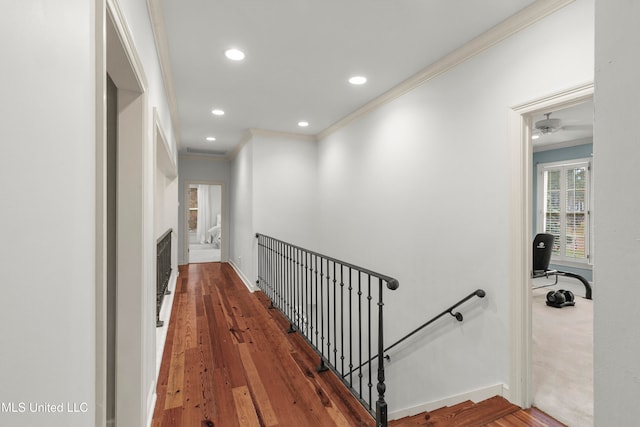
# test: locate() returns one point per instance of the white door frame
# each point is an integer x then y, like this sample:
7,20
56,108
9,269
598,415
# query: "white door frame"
520,215
223,218
116,55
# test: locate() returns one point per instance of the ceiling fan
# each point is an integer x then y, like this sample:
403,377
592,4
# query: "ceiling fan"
549,125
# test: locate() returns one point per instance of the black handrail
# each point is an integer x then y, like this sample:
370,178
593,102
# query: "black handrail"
163,271
477,293
330,303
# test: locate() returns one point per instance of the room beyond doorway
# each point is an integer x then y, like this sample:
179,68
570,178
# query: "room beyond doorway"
204,223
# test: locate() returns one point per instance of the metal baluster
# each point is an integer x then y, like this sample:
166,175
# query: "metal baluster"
350,329
360,330
335,335
369,297
381,405
322,307
341,318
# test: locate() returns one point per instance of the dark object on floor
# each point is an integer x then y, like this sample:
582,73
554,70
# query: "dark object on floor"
561,298
542,247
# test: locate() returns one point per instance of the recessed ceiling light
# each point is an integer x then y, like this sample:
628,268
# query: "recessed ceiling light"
535,136
217,112
303,124
358,80
234,54
210,138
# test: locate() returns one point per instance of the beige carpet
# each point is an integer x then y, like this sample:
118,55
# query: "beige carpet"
563,357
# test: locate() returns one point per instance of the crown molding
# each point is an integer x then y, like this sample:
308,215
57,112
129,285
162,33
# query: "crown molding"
246,137
210,158
275,133
515,23
156,16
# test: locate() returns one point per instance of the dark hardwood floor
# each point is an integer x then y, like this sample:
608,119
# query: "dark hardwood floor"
228,361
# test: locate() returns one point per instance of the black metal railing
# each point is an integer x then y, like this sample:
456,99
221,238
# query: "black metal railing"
163,271
477,293
337,307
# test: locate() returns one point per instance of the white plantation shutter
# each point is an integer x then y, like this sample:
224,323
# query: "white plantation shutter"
565,191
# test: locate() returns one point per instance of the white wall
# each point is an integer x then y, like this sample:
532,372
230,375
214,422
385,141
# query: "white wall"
285,188
418,189
48,174
47,183
617,214
273,192
241,247
204,170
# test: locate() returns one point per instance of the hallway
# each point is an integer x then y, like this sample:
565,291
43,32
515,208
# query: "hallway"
228,361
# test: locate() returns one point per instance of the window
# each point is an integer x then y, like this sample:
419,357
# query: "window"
193,208
563,201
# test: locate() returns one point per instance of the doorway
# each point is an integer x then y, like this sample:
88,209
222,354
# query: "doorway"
562,337
124,311
204,222
522,128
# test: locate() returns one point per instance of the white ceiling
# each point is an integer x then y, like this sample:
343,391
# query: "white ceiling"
299,55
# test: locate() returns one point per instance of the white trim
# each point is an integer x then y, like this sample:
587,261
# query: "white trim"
246,137
275,133
158,26
165,160
520,225
202,157
247,282
495,35
151,402
100,43
133,252
474,396
125,39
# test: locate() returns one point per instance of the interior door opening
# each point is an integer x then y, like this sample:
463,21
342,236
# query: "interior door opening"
204,223
561,205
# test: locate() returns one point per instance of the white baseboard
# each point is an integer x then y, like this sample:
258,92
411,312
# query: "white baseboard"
151,403
251,286
474,396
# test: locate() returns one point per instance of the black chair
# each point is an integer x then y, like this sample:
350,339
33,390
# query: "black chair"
542,248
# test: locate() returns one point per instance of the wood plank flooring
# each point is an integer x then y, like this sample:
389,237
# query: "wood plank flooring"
228,361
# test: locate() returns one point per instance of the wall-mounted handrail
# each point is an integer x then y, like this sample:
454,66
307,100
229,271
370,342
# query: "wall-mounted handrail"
477,293
332,305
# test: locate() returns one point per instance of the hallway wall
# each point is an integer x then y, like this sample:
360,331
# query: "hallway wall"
273,192
419,189
48,171
47,179
617,213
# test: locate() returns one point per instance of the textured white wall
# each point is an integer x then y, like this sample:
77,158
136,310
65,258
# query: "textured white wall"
617,213
47,183
418,189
